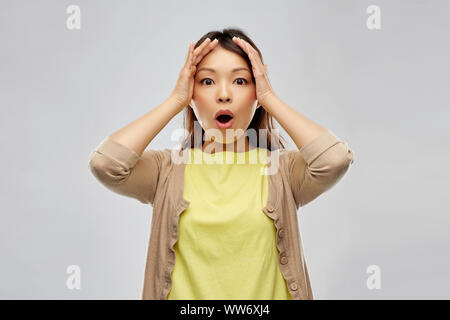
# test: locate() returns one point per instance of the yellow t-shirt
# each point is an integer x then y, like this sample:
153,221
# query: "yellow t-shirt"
226,248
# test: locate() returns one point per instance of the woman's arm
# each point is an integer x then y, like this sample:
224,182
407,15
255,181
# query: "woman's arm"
120,162
301,129
322,158
138,134
317,166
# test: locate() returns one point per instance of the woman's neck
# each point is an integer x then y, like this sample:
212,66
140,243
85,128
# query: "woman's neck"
241,145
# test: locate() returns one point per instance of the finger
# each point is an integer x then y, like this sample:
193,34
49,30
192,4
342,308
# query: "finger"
243,44
188,65
205,51
236,40
248,48
189,54
201,47
254,57
240,43
255,63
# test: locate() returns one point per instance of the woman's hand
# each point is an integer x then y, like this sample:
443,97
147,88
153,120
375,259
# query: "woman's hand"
263,87
184,88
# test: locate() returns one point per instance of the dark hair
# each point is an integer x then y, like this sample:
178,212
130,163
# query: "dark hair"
261,119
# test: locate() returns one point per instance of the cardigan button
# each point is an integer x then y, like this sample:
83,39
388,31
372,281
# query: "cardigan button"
294,286
281,233
270,208
284,260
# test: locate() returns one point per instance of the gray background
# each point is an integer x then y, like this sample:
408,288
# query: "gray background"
385,92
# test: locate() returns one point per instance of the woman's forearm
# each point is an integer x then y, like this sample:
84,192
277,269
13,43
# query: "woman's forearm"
138,134
301,129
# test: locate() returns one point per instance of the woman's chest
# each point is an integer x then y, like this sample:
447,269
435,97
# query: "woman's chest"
226,200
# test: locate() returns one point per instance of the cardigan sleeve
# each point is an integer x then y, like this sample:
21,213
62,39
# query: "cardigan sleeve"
122,171
317,167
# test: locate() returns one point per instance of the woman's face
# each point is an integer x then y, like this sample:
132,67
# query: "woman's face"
217,85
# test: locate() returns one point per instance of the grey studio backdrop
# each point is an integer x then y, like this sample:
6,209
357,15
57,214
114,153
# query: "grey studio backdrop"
383,91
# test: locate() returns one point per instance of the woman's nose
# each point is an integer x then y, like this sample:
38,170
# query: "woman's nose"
223,93
222,99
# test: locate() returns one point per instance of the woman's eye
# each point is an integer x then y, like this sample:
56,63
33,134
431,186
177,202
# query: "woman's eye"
202,81
242,81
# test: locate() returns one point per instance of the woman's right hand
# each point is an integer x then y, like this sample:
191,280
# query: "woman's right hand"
183,91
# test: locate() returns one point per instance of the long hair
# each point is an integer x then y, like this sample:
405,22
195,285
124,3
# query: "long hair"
261,119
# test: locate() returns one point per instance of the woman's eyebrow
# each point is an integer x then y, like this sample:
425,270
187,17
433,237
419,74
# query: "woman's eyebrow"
234,70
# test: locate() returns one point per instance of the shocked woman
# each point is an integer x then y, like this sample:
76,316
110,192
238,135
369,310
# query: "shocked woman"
222,228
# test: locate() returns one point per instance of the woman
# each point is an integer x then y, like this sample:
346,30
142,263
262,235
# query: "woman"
222,229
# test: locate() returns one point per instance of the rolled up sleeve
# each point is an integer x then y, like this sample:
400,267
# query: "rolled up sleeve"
122,171
318,166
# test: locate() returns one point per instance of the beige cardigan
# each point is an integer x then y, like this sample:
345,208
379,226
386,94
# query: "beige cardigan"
157,178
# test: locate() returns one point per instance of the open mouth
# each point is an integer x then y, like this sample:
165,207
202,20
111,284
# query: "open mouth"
224,118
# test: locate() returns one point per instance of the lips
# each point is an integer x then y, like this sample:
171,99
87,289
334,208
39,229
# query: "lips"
223,112
224,118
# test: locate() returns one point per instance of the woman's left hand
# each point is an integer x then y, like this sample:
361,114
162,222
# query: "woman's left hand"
263,87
